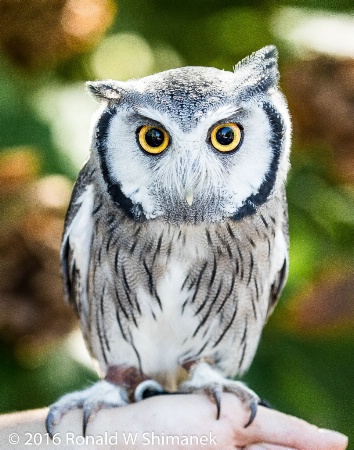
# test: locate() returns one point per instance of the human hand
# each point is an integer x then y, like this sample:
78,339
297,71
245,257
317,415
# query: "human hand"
163,422
190,415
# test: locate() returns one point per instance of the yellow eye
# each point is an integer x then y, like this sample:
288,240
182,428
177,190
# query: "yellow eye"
153,139
226,137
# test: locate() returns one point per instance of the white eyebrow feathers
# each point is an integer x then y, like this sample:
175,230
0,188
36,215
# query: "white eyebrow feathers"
204,123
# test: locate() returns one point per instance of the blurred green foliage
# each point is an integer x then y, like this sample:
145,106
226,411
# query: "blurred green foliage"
301,374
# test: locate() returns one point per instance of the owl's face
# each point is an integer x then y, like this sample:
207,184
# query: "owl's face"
194,144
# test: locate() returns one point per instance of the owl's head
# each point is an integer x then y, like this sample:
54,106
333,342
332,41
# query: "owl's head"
194,144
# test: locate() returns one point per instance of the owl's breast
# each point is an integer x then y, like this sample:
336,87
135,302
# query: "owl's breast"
173,294
165,333
210,293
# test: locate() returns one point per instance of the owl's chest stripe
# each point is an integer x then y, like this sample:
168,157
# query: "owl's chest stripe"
227,327
101,330
199,279
250,269
212,303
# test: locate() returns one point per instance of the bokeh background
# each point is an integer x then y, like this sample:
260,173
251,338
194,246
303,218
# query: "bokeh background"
305,363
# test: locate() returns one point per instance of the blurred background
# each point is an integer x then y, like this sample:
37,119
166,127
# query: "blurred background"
305,363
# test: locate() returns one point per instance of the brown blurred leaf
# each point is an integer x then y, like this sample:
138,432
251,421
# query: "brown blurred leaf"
32,309
321,94
18,167
37,34
327,307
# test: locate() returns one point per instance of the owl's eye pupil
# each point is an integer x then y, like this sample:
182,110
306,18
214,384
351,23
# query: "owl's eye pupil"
225,135
154,137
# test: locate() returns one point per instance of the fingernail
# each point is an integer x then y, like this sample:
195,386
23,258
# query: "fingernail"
335,435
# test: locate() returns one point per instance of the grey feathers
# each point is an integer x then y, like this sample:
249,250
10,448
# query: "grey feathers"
181,254
259,71
108,90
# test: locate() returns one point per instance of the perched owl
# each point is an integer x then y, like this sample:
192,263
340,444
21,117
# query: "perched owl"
175,247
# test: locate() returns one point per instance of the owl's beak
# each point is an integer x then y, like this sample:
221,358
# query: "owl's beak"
189,196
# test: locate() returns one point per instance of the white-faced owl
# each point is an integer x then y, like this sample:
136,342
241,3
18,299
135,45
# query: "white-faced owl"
175,248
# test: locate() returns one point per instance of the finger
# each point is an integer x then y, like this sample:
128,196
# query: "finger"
278,428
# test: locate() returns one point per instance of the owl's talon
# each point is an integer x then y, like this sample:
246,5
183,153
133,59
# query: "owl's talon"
50,423
60,408
89,411
253,408
86,418
206,378
216,393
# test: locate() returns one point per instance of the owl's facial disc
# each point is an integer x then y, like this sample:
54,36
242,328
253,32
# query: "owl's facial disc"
208,172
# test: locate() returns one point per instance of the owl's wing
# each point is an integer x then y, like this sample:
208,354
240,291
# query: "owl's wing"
277,286
77,240
282,261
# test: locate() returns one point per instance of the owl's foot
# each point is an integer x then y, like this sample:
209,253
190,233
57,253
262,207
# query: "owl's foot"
102,394
204,378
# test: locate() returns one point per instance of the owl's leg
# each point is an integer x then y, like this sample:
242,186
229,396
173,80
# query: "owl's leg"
117,389
203,377
137,385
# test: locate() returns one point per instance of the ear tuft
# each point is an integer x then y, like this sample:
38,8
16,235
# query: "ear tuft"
108,90
260,68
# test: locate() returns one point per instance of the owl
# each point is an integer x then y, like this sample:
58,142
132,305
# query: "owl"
175,248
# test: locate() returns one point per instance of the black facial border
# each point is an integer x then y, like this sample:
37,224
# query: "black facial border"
249,207
133,211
